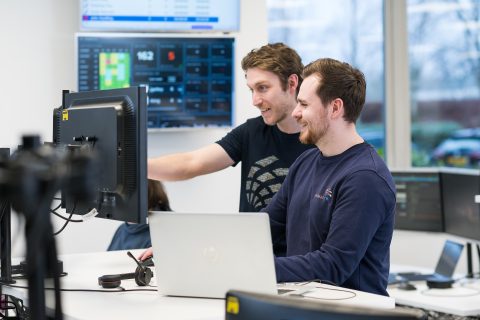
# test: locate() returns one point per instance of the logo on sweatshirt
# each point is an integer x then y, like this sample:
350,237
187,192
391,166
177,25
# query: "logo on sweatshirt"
325,196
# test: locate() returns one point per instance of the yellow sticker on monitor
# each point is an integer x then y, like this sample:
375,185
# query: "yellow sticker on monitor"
65,115
233,305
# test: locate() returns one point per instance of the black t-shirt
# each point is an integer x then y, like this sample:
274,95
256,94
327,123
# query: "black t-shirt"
266,154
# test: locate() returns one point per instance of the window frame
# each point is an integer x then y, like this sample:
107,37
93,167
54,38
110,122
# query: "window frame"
397,85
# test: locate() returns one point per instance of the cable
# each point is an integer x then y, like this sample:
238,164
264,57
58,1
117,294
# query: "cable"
23,276
54,211
318,281
119,289
428,293
99,290
65,218
353,294
66,222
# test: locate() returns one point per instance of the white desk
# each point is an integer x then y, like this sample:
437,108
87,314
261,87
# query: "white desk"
462,299
84,270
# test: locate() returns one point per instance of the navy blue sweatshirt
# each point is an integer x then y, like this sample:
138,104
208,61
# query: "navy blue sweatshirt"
333,219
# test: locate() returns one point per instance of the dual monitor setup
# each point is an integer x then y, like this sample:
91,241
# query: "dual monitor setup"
180,51
440,200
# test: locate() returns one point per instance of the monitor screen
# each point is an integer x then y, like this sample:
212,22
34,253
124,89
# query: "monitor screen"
462,214
419,205
160,15
189,80
111,124
449,258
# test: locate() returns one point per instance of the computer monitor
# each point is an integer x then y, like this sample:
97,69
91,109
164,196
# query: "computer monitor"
189,80
111,124
462,214
242,305
419,200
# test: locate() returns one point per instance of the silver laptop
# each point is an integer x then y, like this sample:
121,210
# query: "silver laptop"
205,255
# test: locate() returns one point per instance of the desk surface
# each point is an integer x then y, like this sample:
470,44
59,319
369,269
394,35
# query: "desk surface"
462,299
84,269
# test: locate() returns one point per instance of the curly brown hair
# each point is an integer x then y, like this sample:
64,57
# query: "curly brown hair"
277,58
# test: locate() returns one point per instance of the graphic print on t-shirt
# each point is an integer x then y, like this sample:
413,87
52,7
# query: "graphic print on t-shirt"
264,180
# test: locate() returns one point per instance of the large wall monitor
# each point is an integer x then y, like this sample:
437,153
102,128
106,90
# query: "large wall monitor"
160,15
189,80
419,205
462,214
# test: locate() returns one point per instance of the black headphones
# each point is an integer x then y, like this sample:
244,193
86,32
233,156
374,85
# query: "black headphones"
142,276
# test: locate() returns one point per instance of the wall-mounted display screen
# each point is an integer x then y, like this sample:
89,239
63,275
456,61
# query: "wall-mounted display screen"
160,15
189,80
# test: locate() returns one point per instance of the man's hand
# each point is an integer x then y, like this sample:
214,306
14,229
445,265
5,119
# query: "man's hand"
146,254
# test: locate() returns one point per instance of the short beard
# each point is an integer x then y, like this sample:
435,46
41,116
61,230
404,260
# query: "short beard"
310,137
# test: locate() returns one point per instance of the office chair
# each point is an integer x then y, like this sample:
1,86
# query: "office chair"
241,305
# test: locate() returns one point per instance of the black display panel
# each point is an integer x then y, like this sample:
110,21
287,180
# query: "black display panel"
189,80
462,214
419,202
111,126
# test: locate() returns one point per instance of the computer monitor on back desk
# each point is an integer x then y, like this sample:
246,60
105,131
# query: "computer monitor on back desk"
419,205
462,214
460,188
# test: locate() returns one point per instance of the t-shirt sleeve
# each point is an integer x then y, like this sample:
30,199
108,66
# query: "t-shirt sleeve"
363,203
232,143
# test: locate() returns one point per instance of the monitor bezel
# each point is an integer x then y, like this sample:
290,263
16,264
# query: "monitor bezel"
423,171
475,175
137,95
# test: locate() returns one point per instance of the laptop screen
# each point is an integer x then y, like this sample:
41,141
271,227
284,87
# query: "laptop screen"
449,258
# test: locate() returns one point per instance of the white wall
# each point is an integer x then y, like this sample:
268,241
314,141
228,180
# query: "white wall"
37,62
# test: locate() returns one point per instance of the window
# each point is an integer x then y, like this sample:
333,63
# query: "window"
444,55
347,30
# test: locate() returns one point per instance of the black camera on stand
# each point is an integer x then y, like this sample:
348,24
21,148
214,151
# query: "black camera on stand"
29,181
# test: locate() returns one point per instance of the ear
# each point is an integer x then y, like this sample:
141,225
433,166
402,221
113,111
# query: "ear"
293,82
337,108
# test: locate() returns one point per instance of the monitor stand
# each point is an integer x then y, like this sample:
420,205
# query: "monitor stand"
470,274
